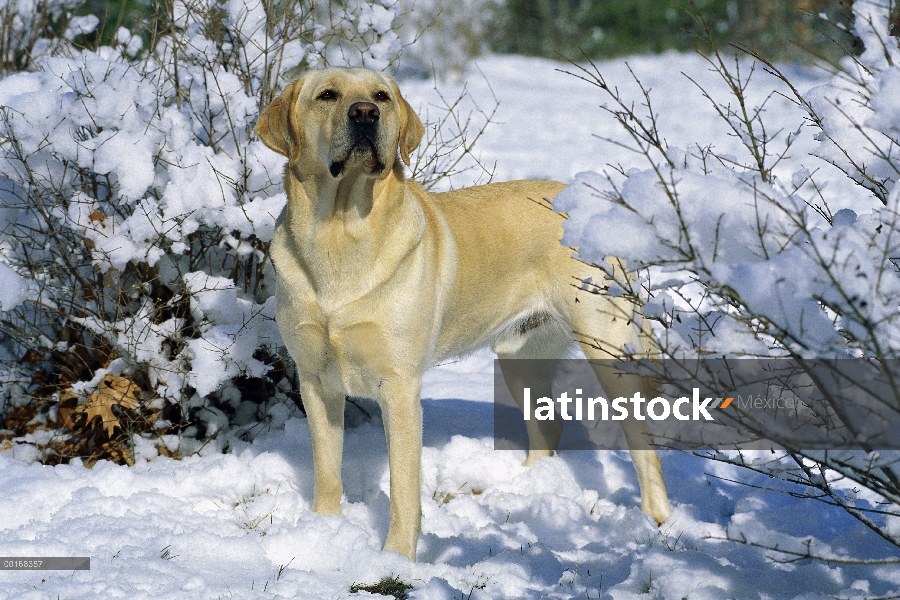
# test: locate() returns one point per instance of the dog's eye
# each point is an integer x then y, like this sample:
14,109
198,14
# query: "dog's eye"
327,95
382,96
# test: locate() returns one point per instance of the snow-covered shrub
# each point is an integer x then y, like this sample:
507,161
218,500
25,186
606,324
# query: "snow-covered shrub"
442,38
741,260
31,30
136,211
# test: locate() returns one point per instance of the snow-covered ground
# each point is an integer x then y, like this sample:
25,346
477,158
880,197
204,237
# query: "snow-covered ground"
240,525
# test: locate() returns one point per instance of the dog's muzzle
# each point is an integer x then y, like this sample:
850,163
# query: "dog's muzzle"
363,131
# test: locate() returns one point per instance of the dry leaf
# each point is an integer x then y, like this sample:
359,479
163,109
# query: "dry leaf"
32,356
68,404
111,391
18,419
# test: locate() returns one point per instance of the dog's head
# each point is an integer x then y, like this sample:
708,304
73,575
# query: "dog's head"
341,121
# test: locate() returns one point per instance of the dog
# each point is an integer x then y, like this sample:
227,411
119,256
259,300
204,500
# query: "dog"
378,280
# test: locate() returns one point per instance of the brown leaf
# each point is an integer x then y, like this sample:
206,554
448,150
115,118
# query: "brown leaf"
113,390
18,419
68,403
32,356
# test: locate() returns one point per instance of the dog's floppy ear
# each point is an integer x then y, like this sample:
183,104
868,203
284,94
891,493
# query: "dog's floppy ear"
275,126
411,128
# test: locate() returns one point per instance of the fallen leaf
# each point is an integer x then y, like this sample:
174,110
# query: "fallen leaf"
68,404
18,419
113,390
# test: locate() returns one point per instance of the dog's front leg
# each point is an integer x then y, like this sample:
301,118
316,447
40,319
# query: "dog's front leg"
402,414
325,411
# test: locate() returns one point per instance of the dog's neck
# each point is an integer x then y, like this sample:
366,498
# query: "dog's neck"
328,199
348,199
348,231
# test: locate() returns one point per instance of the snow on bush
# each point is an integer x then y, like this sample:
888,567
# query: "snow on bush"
31,28
807,280
741,260
136,212
442,38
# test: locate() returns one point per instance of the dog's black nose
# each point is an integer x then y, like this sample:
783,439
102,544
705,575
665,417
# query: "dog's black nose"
363,112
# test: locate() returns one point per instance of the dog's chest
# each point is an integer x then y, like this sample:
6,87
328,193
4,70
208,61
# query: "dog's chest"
321,271
328,319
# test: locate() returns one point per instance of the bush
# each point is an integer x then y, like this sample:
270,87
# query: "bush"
442,38
35,29
739,263
136,212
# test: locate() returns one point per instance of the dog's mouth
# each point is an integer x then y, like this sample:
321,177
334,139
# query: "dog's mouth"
361,152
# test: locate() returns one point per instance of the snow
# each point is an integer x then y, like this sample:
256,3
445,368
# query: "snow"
239,525
233,329
12,288
568,527
81,26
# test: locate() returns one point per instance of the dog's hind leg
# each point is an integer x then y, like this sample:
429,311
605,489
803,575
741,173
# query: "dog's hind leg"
543,436
604,325
654,500
529,360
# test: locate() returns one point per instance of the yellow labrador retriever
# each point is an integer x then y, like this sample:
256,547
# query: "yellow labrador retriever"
378,280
